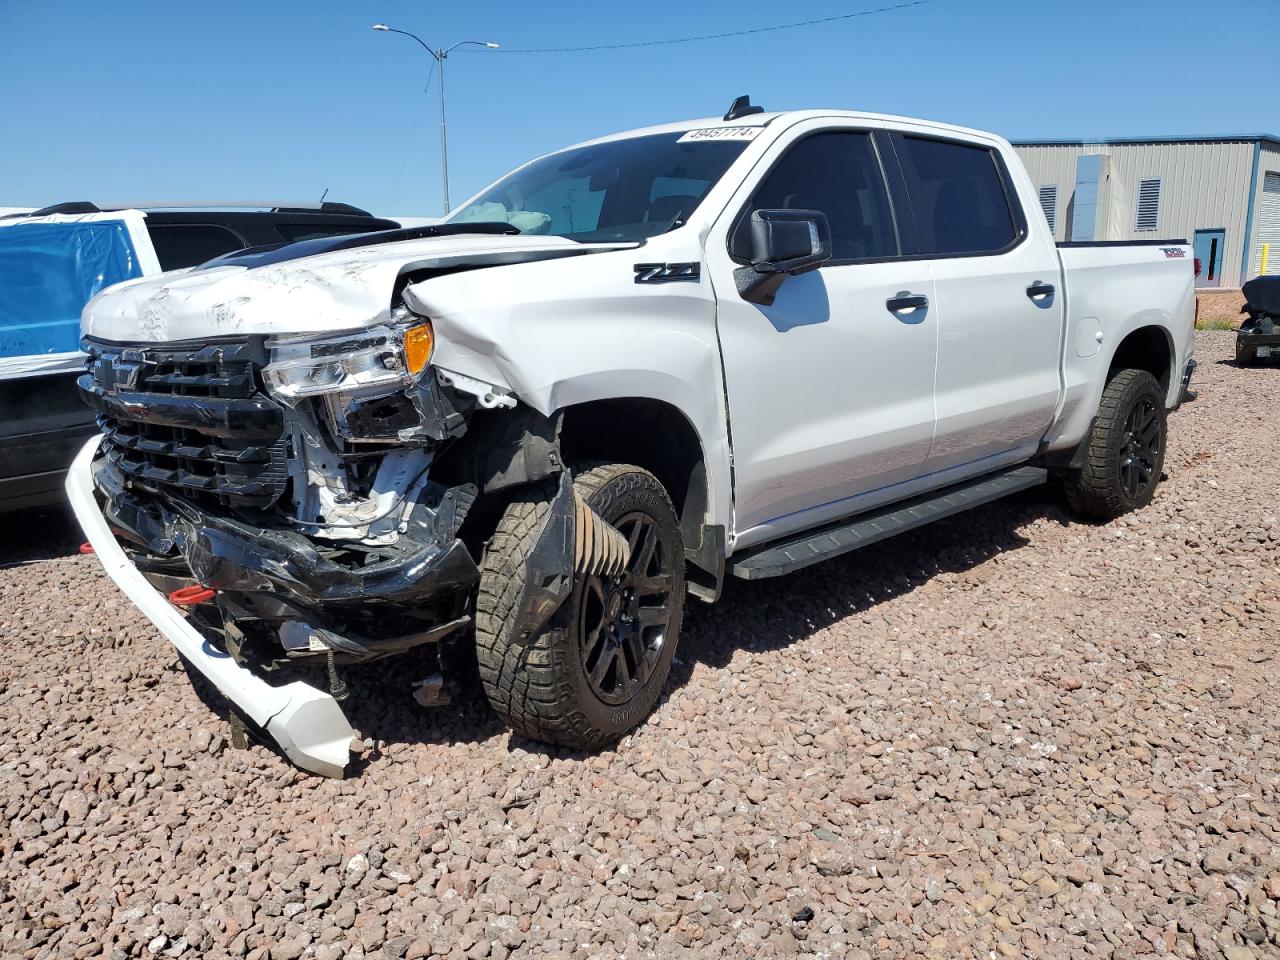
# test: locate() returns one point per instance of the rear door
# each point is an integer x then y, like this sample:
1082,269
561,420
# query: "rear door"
830,389
998,307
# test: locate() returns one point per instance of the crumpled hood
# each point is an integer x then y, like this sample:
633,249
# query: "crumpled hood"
340,290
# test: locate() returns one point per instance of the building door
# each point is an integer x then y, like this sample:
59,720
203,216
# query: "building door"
1209,244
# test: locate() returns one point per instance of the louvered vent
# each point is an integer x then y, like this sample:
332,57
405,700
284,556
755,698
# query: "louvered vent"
1148,205
1049,203
1268,228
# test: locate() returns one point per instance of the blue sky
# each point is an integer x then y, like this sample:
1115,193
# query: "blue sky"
154,99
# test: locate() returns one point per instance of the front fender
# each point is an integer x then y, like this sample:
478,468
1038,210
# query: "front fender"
566,332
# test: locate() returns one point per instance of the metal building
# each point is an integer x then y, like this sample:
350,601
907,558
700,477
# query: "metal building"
1220,193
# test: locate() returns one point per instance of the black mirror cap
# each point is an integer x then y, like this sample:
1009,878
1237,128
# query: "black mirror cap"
783,243
789,241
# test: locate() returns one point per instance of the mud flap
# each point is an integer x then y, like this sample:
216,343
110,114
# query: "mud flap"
574,540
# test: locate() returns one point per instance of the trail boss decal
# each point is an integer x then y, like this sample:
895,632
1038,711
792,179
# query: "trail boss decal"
1174,253
720,133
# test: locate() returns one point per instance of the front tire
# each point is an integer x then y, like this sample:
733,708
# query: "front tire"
596,669
1126,448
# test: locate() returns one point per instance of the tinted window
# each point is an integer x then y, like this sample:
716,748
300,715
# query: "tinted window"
957,195
618,190
188,245
838,174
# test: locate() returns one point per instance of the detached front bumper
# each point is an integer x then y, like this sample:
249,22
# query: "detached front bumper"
307,723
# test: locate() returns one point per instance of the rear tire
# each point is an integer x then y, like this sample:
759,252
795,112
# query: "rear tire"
596,669
1125,452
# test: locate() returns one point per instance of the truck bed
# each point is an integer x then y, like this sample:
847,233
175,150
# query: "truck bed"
1112,288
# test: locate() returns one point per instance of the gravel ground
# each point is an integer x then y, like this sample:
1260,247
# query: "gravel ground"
1007,735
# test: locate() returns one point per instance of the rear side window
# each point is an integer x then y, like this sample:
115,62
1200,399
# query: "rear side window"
839,174
180,245
958,197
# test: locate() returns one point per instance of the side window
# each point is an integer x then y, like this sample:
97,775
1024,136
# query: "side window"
839,174
958,196
181,245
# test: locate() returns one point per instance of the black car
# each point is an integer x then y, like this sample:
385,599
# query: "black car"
1259,336
46,277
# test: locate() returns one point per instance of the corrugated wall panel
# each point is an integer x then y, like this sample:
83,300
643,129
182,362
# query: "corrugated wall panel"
1205,187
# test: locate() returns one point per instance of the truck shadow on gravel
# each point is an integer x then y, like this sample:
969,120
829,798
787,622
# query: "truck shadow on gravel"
757,616
44,533
772,614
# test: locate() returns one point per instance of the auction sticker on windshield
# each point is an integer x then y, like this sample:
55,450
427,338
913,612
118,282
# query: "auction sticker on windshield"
720,133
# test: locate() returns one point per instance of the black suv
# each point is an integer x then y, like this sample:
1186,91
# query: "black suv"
42,420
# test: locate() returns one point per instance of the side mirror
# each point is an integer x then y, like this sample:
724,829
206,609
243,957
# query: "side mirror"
782,243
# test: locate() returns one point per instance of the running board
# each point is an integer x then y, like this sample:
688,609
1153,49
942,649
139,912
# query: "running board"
783,556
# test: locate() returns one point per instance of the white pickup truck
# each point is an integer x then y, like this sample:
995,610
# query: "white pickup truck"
618,374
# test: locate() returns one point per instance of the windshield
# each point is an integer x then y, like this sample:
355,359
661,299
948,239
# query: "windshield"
623,190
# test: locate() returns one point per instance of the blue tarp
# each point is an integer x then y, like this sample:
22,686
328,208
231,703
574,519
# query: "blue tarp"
48,272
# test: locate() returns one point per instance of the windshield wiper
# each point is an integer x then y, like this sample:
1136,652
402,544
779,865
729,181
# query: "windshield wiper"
676,221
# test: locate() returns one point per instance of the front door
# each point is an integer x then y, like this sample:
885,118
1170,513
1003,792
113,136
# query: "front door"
830,388
1208,246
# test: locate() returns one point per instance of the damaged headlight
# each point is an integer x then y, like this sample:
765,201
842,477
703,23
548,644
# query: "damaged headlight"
372,361
366,385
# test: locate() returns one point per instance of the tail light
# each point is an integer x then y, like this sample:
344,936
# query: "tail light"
1197,266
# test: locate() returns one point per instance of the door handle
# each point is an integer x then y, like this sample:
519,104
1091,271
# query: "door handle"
907,303
1039,292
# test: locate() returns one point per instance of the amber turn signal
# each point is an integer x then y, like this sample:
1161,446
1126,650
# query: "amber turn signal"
419,341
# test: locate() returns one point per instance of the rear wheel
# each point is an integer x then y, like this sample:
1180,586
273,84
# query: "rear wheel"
1125,449
596,669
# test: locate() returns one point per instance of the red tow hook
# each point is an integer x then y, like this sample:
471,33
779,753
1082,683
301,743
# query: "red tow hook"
190,596
86,548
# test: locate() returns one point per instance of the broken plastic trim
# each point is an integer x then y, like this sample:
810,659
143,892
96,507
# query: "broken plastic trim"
307,723
228,555
599,549
575,540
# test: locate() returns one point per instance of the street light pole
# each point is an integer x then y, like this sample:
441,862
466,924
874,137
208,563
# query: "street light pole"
444,135
440,56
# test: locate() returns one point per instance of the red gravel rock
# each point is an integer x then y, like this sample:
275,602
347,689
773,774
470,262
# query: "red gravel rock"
1009,734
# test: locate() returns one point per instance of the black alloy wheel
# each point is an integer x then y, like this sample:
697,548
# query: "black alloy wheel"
623,621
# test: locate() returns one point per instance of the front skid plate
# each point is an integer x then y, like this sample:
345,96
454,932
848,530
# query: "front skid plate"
307,723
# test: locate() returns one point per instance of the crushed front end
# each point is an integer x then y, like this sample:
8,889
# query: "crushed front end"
292,478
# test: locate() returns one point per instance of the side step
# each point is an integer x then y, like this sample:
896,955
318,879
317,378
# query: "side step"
783,556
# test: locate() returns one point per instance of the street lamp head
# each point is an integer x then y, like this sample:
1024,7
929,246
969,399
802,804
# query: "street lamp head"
492,46
381,26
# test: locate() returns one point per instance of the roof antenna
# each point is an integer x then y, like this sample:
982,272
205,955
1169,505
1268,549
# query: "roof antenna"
742,107
323,195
